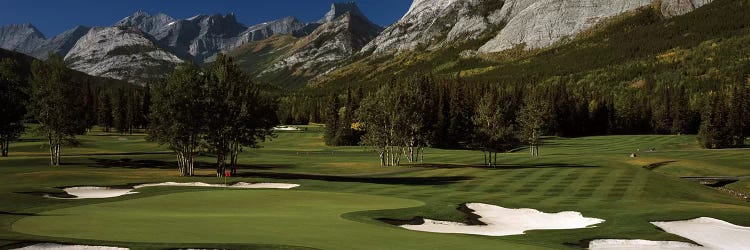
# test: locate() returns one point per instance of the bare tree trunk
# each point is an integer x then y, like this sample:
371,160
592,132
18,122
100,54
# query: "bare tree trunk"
51,151
485,157
421,155
235,150
220,164
4,146
495,161
58,150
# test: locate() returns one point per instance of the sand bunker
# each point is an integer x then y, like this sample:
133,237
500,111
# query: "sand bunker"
106,192
96,192
710,232
502,221
240,185
641,245
53,246
286,128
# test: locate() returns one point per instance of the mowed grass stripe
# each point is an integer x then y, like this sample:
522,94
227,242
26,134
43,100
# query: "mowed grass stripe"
585,178
638,184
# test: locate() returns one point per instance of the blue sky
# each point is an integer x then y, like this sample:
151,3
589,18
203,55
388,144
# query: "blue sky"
54,16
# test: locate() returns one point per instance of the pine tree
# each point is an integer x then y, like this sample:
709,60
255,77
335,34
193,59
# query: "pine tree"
104,112
714,132
332,120
13,99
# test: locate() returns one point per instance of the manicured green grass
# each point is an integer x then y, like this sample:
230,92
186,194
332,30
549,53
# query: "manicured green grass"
344,190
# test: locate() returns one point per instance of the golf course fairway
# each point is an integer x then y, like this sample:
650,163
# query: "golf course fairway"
283,218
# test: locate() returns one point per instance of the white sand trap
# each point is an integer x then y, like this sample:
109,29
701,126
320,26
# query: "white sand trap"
53,246
710,232
505,221
641,245
95,192
239,185
286,128
106,192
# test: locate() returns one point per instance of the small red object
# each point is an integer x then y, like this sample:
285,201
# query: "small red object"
228,174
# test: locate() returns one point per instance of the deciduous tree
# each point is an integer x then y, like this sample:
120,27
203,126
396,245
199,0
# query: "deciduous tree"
57,104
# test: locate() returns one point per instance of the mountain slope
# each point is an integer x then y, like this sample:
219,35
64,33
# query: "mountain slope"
252,56
543,23
24,62
434,23
24,38
61,44
284,26
120,53
457,57
344,31
200,37
146,22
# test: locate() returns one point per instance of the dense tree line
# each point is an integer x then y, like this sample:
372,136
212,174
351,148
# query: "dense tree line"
216,110
14,96
402,116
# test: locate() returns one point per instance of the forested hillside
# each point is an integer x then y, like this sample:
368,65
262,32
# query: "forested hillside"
633,74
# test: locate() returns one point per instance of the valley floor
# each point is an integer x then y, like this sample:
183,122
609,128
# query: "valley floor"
344,192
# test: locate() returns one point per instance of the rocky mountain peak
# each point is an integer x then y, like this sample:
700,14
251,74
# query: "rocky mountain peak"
120,52
334,41
61,43
146,22
339,9
24,38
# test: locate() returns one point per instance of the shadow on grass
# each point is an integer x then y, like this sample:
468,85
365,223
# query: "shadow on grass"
506,166
420,181
653,166
17,214
157,164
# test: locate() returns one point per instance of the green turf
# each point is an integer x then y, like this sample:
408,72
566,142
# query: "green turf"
297,218
593,175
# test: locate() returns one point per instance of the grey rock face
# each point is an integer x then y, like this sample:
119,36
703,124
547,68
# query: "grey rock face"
538,24
124,53
23,38
330,43
547,21
339,9
61,44
672,8
287,25
146,22
434,23
201,37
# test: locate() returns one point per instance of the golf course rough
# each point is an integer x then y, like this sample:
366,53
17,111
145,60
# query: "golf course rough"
293,218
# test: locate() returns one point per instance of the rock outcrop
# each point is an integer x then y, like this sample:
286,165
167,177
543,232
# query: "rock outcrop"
342,35
62,43
434,23
124,53
284,26
146,22
539,24
200,37
431,24
671,8
23,38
